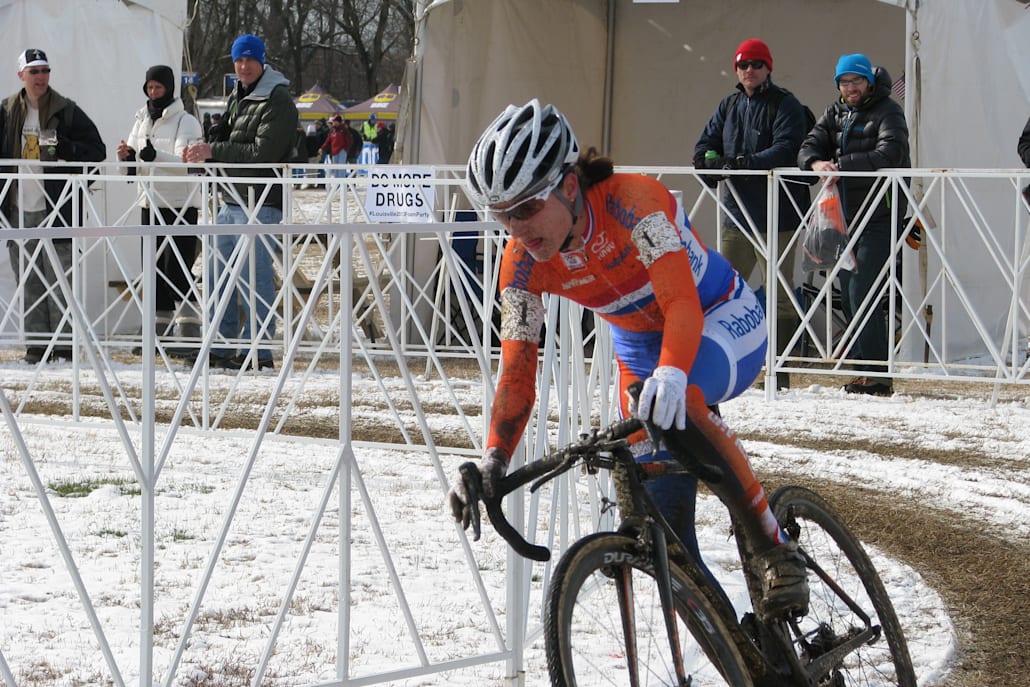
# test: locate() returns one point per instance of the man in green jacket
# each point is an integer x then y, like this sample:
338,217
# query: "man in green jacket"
258,127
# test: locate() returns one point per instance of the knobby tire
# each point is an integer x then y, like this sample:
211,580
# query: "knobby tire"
583,624
819,531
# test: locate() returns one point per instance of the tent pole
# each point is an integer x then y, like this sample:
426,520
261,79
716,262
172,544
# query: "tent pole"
609,69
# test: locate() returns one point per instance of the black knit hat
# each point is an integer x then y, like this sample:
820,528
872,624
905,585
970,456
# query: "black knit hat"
164,75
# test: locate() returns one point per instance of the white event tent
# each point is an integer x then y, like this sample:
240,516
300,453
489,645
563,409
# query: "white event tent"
99,51
640,78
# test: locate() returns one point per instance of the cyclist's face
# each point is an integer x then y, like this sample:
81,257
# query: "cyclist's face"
540,225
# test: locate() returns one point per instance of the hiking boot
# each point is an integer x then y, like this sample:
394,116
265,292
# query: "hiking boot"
61,354
239,362
869,385
784,582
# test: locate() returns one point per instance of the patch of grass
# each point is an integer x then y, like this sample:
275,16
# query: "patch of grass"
39,673
181,535
230,617
230,673
112,533
84,487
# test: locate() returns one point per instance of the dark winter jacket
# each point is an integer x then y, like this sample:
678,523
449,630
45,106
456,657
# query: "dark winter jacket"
315,139
872,136
745,136
78,140
259,125
1023,148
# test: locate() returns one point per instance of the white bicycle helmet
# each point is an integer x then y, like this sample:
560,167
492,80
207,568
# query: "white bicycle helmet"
521,155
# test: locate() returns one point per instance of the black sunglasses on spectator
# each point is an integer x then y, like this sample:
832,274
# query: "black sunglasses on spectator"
754,64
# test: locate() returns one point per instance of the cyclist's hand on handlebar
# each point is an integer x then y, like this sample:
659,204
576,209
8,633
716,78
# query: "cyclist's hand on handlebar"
491,468
663,398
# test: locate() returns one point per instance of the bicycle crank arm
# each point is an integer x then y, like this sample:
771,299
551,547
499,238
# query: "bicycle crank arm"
824,663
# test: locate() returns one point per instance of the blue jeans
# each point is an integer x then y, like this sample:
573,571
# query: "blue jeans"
263,291
340,158
871,253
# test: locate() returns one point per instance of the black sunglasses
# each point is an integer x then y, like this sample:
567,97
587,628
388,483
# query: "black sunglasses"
754,64
43,70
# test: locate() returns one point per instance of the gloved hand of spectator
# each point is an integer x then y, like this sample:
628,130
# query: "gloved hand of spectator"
147,153
663,399
725,162
701,162
492,468
710,179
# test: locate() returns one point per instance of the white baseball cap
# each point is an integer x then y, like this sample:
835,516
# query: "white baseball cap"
33,57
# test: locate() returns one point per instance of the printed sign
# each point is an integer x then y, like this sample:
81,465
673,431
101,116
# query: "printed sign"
398,197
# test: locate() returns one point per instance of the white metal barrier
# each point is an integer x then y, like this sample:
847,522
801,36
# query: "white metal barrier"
404,302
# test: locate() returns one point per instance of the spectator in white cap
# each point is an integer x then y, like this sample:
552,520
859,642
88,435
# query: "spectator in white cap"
44,125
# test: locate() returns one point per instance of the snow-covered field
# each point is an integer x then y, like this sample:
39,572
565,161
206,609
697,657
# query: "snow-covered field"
413,594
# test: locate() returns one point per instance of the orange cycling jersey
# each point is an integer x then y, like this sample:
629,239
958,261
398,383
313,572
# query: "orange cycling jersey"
634,271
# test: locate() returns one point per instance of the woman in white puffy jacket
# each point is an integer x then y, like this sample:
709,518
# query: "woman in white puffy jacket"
161,130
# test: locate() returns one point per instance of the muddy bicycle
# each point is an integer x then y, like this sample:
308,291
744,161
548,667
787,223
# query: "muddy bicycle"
633,607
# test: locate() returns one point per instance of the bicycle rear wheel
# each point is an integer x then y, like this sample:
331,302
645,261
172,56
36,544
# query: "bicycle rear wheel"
882,660
604,622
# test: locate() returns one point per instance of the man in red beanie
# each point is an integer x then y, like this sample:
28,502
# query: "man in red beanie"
759,126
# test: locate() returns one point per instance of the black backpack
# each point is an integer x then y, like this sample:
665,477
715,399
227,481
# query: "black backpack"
775,96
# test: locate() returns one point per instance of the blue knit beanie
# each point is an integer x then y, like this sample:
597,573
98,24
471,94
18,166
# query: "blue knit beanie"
854,64
248,45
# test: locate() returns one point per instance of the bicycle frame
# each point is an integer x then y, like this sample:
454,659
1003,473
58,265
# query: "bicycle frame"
642,519
765,649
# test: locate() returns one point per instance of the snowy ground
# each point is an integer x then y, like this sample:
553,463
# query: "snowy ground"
46,637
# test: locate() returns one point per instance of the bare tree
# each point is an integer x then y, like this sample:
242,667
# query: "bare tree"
379,32
352,48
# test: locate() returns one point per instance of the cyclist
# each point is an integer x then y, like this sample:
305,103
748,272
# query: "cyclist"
620,245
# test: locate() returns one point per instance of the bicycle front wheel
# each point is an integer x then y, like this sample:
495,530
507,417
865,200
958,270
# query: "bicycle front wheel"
857,618
604,623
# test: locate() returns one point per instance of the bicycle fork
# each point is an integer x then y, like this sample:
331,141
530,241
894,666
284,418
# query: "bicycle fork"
625,593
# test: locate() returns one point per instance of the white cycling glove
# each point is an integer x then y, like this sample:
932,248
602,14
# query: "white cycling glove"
492,467
664,398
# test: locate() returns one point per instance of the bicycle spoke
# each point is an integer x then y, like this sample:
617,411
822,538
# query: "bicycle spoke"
605,624
851,636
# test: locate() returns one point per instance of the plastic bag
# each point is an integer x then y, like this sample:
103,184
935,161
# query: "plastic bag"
826,235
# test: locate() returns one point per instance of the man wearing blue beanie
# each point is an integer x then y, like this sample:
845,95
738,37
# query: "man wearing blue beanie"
249,45
257,128
857,64
863,130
